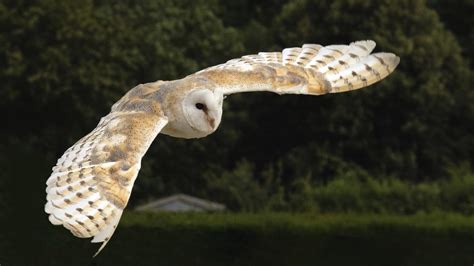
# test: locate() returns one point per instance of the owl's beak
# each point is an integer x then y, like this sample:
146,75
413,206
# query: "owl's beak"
212,122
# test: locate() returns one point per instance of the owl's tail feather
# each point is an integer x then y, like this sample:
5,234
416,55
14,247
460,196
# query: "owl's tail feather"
351,67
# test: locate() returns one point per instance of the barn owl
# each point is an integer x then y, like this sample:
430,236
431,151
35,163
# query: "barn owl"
92,182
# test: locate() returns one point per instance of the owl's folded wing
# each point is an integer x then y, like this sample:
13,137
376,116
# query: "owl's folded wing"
311,69
91,183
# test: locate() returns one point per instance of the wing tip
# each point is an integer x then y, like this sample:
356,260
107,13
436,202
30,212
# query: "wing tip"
106,234
100,248
391,59
396,60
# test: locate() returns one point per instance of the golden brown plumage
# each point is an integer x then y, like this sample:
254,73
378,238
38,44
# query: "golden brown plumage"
91,183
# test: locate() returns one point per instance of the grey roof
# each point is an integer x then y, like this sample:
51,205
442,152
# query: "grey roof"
181,202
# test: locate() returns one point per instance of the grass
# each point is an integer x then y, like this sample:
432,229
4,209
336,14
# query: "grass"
267,239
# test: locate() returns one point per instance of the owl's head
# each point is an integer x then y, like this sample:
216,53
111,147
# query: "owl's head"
202,109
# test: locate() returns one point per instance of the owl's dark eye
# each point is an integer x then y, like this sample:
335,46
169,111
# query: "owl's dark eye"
201,106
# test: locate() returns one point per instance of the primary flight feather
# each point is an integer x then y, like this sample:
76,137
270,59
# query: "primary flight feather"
91,183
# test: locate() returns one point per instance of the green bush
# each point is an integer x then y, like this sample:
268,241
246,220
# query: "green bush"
457,193
243,189
352,193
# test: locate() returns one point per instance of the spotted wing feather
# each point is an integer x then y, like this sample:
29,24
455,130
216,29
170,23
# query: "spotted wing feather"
91,183
310,69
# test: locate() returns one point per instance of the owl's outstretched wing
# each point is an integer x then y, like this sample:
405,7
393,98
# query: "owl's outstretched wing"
311,69
91,183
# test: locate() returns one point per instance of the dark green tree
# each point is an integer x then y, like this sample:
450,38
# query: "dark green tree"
410,125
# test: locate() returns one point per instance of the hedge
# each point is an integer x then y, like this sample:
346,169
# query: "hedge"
258,239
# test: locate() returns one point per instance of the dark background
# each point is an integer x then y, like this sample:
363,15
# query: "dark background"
404,146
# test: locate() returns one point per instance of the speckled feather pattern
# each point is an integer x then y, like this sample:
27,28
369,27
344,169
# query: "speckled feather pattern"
311,69
91,183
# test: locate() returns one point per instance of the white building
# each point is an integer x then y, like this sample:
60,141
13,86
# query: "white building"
181,203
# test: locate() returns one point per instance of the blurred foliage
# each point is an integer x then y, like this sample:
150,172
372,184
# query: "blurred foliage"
349,194
457,17
242,191
389,148
348,191
405,125
264,239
